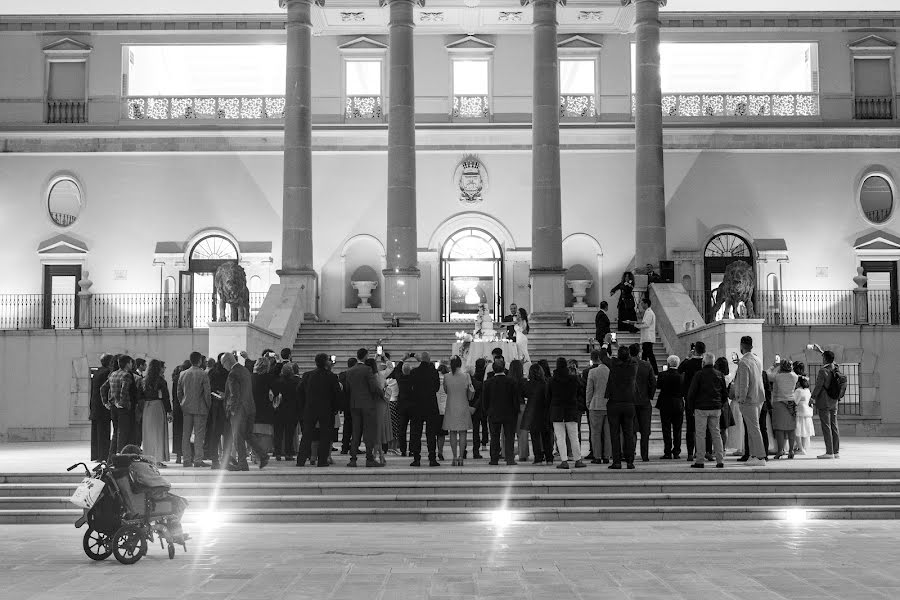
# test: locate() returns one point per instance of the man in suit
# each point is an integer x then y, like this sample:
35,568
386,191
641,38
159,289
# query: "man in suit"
645,390
347,434
688,368
193,396
241,411
601,322
750,394
361,387
510,320
621,391
826,406
319,396
425,384
500,399
99,414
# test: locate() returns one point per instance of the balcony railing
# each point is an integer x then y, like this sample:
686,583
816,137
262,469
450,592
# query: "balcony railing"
875,107
813,307
363,108
66,111
574,106
471,107
164,108
115,311
738,105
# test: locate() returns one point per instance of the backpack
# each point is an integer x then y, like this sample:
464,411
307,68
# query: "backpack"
837,386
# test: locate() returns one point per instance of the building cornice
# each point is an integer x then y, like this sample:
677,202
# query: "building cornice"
443,139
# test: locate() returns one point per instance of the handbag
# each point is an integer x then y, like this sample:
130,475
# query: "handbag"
87,492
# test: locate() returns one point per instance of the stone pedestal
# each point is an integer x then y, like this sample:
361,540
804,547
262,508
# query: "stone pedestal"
724,337
548,295
401,295
286,306
85,303
237,336
861,306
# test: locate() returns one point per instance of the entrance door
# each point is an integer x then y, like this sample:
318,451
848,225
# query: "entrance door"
186,299
720,252
61,296
882,292
471,275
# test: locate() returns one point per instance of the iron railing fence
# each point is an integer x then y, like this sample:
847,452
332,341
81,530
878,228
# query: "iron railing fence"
813,307
114,311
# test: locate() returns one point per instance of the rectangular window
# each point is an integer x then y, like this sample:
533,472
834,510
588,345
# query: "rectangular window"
576,76
206,70
470,77
577,88
363,77
737,79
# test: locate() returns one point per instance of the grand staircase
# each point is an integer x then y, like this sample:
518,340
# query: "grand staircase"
285,493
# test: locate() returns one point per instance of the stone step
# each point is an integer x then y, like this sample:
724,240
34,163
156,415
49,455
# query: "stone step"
511,501
468,514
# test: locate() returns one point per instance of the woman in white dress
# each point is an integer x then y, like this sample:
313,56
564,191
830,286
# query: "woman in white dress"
522,331
804,429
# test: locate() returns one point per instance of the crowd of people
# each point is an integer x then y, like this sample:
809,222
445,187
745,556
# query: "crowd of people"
227,411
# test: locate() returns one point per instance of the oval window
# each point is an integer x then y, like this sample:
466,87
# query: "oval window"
64,202
876,197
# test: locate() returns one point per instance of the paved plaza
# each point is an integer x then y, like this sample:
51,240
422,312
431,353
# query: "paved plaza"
456,561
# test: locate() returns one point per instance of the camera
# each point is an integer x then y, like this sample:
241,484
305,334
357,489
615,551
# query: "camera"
613,336
333,358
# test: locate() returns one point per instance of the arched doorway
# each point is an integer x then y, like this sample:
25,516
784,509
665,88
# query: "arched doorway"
720,252
471,274
195,307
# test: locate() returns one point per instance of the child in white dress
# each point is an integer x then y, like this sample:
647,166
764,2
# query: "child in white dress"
804,429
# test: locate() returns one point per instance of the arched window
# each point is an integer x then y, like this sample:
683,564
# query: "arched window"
727,245
210,252
471,274
64,201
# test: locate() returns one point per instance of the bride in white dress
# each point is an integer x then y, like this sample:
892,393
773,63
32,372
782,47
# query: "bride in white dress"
522,330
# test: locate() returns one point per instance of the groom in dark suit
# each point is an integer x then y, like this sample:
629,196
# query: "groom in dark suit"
511,320
601,322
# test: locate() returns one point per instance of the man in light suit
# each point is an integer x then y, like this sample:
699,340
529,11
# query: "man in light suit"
826,406
361,386
750,394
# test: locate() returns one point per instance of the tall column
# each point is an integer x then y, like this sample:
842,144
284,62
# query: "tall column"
296,249
650,200
547,273
401,278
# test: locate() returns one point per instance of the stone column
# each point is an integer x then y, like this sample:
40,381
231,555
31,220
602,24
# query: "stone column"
401,277
650,201
297,270
861,298
547,274
85,302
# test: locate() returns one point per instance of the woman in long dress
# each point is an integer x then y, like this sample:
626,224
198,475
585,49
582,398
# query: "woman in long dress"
380,402
784,419
157,413
522,331
805,428
458,413
625,306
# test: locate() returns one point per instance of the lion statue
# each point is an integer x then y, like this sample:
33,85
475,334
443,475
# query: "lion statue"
736,288
230,286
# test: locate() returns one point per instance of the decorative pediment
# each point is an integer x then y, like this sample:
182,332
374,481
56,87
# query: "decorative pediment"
579,41
877,240
873,41
470,43
67,47
363,43
62,244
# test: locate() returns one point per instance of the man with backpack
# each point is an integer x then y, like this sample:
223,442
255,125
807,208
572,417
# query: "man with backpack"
831,385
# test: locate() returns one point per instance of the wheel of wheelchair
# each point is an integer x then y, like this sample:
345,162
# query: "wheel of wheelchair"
129,544
97,545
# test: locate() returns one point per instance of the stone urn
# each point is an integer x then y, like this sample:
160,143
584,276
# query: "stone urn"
364,289
579,290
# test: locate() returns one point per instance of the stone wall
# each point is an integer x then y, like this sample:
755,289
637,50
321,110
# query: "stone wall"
45,375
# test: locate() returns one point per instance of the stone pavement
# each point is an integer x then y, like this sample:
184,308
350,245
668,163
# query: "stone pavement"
456,561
